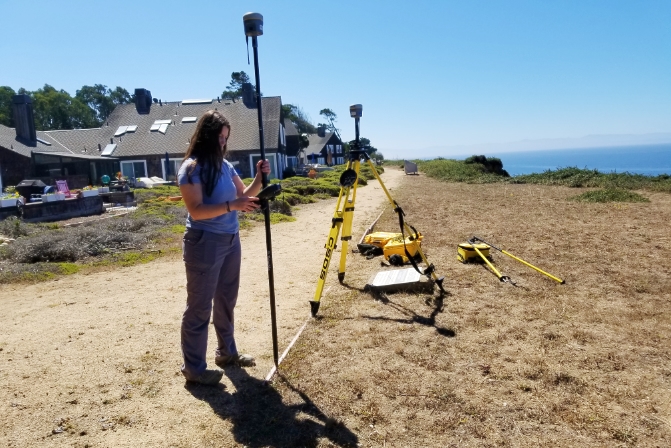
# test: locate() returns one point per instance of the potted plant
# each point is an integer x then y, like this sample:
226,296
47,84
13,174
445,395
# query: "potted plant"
88,191
10,198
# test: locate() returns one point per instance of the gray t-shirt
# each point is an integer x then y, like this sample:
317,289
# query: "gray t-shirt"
224,191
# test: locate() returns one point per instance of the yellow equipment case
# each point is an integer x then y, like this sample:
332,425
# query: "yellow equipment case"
466,253
379,239
396,246
392,244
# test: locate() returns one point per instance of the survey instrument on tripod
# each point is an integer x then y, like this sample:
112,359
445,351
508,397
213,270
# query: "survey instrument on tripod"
560,281
344,214
253,23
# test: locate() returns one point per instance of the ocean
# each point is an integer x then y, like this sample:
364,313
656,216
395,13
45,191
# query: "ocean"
650,160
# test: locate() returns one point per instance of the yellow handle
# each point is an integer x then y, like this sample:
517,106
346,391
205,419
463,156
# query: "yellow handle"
498,274
534,267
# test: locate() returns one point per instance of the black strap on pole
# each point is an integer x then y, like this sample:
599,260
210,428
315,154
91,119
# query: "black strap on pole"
266,209
411,258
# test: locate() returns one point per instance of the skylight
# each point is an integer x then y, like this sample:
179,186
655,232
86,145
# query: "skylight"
189,119
121,130
132,128
154,127
109,149
44,142
163,128
163,122
196,102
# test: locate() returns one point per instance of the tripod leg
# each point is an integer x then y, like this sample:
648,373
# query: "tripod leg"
336,224
348,217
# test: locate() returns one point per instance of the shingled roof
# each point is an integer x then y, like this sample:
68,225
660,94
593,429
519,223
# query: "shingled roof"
9,141
289,128
317,143
142,141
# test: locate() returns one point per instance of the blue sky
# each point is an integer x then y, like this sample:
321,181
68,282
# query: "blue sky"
434,77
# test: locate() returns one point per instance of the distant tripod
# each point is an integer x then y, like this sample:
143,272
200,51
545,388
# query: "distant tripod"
344,214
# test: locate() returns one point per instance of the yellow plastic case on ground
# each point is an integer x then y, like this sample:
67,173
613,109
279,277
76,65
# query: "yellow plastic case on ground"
379,239
395,246
466,253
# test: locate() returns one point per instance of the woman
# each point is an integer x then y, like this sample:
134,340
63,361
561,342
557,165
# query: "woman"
213,194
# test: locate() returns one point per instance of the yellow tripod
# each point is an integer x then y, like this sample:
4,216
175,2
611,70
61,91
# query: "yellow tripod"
343,217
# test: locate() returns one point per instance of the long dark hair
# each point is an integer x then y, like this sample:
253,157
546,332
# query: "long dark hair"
206,151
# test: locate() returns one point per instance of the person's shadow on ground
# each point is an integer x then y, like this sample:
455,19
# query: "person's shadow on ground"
261,419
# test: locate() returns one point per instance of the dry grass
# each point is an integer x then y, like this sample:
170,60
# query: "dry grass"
538,364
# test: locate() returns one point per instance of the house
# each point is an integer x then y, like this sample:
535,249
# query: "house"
325,148
295,154
26,153
145,139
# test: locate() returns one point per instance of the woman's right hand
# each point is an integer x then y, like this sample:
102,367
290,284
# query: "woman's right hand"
244,204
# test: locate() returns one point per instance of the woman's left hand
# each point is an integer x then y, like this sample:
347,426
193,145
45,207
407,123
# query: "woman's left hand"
263,166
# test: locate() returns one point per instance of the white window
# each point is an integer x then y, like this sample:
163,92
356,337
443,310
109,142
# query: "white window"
171,169
340,160
134,168
253,158
338,149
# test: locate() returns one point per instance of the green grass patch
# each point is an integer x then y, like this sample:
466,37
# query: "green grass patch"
145,194
275,218
479,169
576,177
68,268
610,195
450,170
131,258
177,228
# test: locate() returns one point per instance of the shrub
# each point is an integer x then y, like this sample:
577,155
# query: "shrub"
610,195
13,227
80,242
492,165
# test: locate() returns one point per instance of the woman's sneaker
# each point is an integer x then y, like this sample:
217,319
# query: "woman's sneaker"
209,377
238,360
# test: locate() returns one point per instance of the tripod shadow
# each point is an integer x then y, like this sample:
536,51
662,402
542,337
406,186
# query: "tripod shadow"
261,419
413,317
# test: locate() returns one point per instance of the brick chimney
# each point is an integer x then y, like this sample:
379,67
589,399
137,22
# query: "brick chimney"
248,95
142,101
22,108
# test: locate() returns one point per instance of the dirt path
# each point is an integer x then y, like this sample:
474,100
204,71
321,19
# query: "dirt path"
92,354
